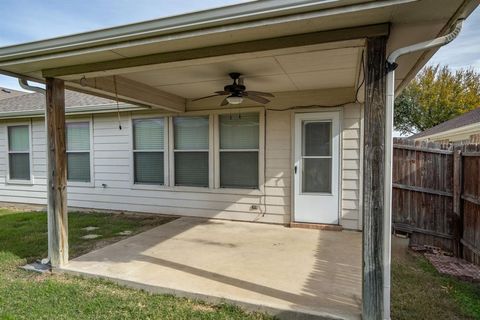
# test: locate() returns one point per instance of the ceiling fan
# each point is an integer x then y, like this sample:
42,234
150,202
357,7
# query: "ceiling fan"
236,92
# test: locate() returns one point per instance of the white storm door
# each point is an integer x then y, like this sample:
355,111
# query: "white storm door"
317,165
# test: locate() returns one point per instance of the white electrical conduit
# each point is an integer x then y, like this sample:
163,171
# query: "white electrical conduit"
391,65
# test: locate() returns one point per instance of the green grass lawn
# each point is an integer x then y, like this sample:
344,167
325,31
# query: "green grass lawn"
28,295
420,292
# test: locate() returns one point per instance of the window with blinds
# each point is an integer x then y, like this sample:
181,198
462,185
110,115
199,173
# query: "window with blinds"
78,152
191,151
148,151
239,147
19,152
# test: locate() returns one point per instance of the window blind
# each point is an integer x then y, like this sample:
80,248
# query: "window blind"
239,131
191,133
191,143
78,166
148,145
148,134
191,169
239,143
19,166
149,167
78,151
239,170
19,152
18,139
78,136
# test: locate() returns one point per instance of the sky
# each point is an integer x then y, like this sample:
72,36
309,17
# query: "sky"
29,20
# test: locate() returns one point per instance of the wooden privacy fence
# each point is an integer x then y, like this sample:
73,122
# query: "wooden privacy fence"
436,195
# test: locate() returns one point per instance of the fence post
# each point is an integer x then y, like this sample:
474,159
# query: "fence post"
457,202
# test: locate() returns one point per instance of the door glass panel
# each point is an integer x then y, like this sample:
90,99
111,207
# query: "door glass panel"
317,175
317,137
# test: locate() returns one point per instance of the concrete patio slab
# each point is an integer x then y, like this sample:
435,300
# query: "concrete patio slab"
293,273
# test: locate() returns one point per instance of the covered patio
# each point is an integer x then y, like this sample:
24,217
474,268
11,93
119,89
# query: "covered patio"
313,56
293,273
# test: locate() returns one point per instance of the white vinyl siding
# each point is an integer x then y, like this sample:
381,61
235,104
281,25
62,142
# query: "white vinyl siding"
19,153
239,146
351,206
78,152
112,172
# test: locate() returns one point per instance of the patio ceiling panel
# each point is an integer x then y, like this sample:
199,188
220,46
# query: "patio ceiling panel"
319,69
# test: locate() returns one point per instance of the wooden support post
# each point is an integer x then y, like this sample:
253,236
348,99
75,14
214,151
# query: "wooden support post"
57,173
457,202
373,181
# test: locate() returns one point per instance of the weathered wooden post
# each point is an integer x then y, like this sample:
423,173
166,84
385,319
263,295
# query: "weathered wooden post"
56,173
373,180
457,201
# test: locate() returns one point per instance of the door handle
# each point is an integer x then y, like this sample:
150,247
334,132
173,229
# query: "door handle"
295,169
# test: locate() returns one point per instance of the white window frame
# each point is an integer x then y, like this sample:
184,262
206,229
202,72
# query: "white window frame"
213,153
261,150
166,176
30,151
92,158
171,151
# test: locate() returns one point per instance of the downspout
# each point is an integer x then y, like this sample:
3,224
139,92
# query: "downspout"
391,66
24,85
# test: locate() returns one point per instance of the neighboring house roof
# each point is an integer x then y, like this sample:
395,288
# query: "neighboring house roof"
463,120
9,93
31,104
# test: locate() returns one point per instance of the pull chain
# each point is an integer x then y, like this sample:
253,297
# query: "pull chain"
118,106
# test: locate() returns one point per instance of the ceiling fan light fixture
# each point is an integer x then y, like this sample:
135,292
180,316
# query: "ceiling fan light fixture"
234,99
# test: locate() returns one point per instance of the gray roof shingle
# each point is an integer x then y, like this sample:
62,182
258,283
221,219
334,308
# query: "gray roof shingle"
36,101
9,93
465,119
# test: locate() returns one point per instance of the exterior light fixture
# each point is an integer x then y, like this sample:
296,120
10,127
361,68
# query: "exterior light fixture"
234,99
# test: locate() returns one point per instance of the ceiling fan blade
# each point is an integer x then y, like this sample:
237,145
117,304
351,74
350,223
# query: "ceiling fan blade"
213,95
259,93
224,102
256,98
217,93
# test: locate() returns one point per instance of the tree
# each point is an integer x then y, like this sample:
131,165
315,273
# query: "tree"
436,95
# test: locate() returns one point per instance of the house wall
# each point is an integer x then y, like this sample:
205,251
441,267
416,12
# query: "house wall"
465,134
112,186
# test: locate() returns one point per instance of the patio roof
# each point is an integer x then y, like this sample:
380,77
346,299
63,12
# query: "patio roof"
290,49
165,62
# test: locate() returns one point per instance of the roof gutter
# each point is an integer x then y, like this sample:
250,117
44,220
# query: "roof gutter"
391,66
72,111
104,40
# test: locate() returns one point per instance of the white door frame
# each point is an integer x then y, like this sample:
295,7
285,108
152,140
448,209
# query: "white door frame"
337,113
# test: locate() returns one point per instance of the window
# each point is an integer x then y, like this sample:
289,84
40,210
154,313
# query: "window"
19,152
239,147
317,156
191,145
78,152
148,151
